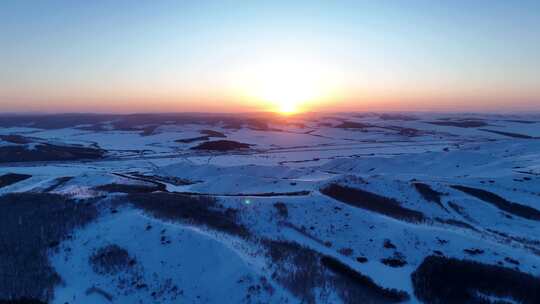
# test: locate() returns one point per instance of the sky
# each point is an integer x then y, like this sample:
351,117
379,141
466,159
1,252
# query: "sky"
242,56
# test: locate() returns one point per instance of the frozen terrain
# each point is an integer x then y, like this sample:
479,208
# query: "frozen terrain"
207,208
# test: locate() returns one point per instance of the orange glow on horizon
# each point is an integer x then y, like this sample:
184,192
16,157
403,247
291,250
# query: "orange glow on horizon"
284,100
287,83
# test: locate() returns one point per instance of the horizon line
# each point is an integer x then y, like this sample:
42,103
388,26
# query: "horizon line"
502,111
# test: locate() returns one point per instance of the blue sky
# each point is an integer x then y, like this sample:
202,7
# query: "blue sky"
176,55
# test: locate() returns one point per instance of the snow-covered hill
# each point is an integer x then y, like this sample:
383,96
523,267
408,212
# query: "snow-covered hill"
342,208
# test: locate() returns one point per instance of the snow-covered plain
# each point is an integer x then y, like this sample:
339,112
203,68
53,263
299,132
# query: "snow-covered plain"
275,189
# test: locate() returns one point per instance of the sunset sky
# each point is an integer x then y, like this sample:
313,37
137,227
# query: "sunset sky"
237,56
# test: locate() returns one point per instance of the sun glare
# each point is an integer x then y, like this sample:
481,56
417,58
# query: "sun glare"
286,91
285,85
287,108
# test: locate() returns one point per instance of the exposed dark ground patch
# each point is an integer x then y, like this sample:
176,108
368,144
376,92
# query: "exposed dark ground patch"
352,125
31,224
473,251
302,270
466,123
161,179
99,291
282,209
16,139
207,135
48,152
361,259
307,273
372,202
253,124
348,279
59,182
148,130
395,261
111,259
12,178
388,244
283,162
456,223
448,280
509,134
199,210
501,203
460,210
129,188
159,186
429,194
192,139
522,121
221,145
409,132
212,133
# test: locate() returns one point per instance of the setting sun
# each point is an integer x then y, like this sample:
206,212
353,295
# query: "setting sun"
286,92
287,108
286,84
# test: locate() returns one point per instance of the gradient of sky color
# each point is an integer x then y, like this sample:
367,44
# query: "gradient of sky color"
133,56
